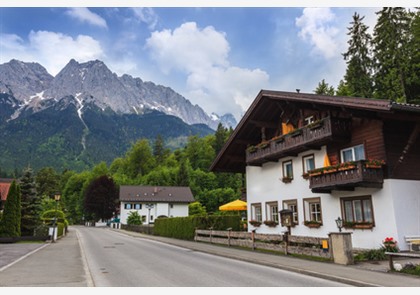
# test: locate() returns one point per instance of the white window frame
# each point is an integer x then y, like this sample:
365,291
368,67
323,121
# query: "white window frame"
313,209
285,171
256,212
353,153
304,163
272,211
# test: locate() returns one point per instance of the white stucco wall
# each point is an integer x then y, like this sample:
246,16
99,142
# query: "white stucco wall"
159,209
396,206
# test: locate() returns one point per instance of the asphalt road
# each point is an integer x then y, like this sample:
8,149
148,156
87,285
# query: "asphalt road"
118,260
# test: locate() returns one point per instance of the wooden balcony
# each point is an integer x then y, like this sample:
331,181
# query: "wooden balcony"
312,136
360,175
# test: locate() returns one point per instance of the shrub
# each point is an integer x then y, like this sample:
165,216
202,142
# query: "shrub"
134,218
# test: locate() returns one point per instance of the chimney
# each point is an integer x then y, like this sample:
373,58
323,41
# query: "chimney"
298,90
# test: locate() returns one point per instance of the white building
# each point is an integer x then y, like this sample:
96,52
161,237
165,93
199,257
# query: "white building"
313,154
152,202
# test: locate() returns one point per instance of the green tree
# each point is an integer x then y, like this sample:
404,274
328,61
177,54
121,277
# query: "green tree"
413,79
221,136
101,198
10,222
139,159
358,58
30,204
212,199
391,56
196,209
159,151
134,218
47,182
324,89
72,197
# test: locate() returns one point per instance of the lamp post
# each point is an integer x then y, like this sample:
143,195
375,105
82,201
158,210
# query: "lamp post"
339,223
57,199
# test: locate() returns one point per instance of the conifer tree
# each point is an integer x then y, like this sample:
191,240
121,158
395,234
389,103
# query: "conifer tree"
31,203
324,89
413,83
10,223
358,58
391,56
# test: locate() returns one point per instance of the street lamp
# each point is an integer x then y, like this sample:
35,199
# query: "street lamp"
57,199
339,223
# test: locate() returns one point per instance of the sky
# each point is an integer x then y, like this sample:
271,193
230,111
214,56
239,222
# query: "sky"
218,57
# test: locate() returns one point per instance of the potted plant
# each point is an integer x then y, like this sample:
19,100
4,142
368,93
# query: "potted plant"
271,223
375,164
312,223
255,223
346,166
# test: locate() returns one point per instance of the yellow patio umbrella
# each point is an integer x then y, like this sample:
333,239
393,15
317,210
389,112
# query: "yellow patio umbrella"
326,161
236,205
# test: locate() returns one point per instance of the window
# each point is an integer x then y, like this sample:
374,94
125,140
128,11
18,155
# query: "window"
127,206
355,153
256,213
272,211
137,206
312,209
143,218
308,163
287,169
357,209
292,205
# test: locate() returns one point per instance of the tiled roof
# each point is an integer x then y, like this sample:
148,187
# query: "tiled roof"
162,194
4,187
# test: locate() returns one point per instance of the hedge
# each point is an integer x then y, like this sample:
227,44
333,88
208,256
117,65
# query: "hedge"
184,227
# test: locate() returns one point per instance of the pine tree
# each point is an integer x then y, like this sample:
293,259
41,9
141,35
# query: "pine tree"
221,136
31,204
391,56
324,89
10,223
359,63
413,79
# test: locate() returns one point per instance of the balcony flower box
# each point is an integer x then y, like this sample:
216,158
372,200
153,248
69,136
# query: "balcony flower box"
305,175
374,164
295,132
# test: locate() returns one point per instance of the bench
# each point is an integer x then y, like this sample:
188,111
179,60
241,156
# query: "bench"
391,255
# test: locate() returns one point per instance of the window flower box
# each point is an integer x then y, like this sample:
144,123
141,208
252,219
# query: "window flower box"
358,225
270,223
305,175
312,223
374,164
287,179
255,223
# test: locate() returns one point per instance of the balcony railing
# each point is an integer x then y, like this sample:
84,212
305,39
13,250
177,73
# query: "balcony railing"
312,136
348,178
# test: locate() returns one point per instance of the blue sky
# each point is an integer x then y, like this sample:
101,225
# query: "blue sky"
216,57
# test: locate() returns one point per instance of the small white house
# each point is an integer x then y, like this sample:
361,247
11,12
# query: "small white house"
152,202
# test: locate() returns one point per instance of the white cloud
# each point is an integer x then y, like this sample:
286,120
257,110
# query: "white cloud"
202,54
52,50
83,14
316,26
147,16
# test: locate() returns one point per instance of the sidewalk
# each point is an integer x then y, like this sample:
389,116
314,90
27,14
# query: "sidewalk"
65,257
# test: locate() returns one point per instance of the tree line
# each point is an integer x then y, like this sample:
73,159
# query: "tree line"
93,194
384,64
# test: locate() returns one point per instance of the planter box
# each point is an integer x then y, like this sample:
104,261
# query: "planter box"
313,225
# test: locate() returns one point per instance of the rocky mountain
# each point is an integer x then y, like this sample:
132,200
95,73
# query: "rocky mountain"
87,114
93,82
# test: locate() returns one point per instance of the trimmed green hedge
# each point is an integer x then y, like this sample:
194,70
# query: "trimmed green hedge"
184,227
